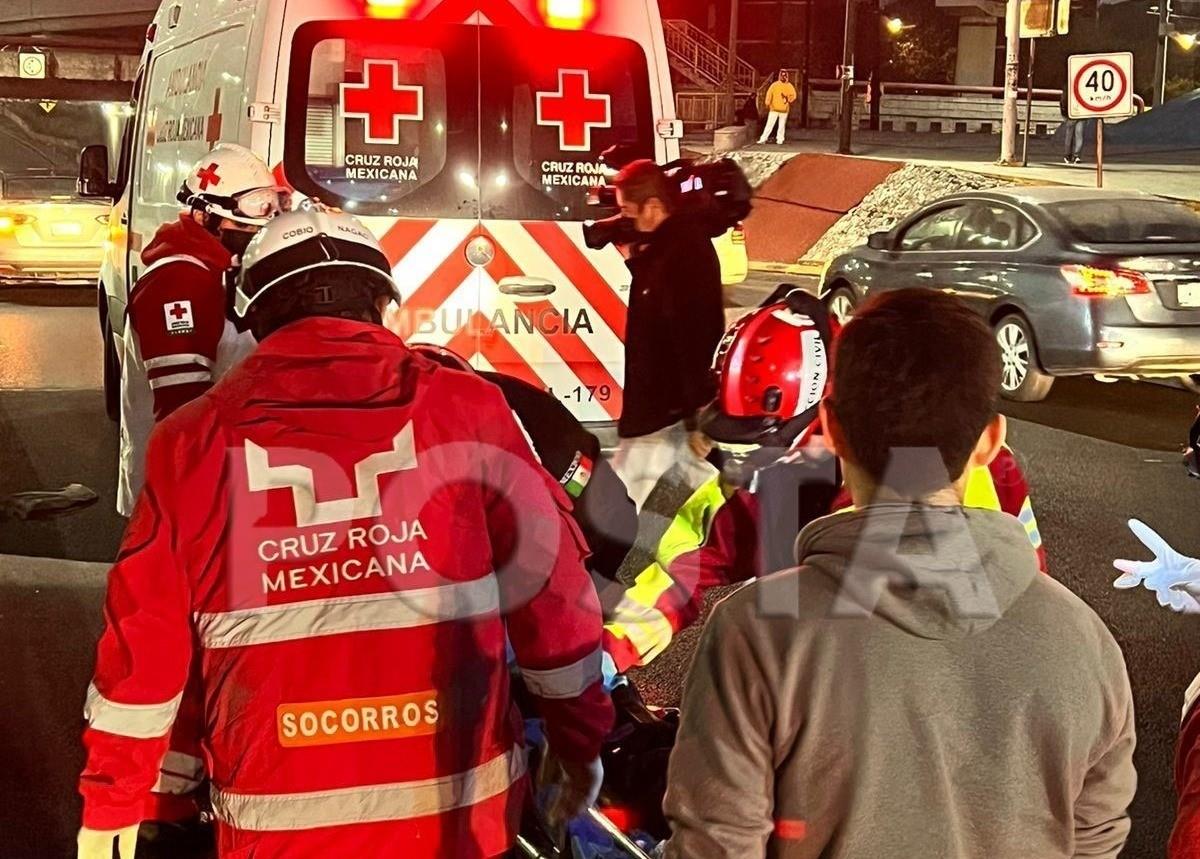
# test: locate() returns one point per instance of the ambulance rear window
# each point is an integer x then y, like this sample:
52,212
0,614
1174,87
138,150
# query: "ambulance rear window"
458,121
376,113
553,101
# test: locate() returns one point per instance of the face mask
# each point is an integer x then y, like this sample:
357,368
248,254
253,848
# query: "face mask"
235,241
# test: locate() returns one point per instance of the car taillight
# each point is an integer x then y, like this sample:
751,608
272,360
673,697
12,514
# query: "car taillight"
9,222
739,233
1091,282
568,14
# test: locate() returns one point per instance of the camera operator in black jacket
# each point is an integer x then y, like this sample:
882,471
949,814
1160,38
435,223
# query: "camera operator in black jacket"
676,319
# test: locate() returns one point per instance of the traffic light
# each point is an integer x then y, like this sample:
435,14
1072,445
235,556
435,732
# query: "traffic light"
1042,18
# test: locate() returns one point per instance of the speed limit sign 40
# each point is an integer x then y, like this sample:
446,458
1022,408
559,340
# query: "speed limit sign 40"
1100,86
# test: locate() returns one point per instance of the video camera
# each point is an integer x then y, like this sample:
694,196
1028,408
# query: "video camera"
717,193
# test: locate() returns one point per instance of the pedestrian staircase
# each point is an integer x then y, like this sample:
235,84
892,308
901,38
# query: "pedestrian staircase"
703,60
703,63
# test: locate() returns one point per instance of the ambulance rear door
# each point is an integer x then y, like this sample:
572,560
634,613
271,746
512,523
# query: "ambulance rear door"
382,120
552,101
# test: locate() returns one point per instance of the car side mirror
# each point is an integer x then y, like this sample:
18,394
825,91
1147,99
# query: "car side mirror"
93,178
879,241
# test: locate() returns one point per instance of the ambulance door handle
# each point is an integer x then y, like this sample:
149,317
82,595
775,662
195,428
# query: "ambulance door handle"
526,287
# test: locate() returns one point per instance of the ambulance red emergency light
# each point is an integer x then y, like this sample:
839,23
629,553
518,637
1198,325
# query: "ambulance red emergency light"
464,133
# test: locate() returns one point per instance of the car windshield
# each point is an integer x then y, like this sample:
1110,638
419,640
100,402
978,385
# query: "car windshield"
36,187
40,143
1113,222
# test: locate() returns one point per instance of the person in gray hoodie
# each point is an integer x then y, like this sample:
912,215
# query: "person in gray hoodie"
914,688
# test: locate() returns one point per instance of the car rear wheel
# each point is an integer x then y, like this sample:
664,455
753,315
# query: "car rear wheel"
1022,379
841,304
112,366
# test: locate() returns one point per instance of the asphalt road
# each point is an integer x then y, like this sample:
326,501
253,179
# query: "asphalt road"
1095,455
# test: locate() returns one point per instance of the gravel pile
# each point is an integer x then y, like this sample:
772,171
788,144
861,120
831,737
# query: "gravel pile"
906,190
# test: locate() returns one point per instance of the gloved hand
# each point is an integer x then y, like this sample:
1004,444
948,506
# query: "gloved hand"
98,843
571,788
1174,578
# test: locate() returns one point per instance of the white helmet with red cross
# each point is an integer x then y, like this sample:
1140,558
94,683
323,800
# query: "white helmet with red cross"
232,182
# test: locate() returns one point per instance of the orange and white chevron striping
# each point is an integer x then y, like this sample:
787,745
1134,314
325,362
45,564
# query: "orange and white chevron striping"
570,341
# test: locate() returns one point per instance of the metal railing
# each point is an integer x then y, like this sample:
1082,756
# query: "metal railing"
703,58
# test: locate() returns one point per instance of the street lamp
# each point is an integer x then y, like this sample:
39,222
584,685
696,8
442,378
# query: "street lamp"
1187,41
895,26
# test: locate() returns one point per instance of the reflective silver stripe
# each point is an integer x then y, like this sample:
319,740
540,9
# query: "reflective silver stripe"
374,803
180,379
140,721
390,610
184,360
1191,696
179,774
647,628
570,681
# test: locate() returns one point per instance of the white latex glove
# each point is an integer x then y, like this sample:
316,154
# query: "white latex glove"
572,788
1174,578
98,843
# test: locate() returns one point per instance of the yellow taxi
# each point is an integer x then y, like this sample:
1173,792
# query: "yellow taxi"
47,232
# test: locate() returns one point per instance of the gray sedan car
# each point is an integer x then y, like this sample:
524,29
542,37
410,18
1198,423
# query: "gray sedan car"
1073,281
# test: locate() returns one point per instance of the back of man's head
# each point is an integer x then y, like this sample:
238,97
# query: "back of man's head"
643,180
914,370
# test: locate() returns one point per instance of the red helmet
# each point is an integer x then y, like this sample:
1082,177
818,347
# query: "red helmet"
442,355
772,371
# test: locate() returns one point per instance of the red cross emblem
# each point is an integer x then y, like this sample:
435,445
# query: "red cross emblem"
178,311
208,176
575,110
382,102
212,129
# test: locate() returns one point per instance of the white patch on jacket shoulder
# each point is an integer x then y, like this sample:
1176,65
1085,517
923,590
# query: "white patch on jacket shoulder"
179,317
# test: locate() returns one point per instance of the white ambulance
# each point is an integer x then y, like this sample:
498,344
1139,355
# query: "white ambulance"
465,133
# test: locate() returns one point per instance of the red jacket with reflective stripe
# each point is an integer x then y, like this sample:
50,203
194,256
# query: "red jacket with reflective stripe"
177,310
346,534
1185,840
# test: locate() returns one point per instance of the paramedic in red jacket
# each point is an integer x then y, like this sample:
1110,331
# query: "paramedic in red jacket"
346,534
178,339
743,523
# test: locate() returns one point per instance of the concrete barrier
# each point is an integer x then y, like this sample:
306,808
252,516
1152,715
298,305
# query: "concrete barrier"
730,138
50,617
